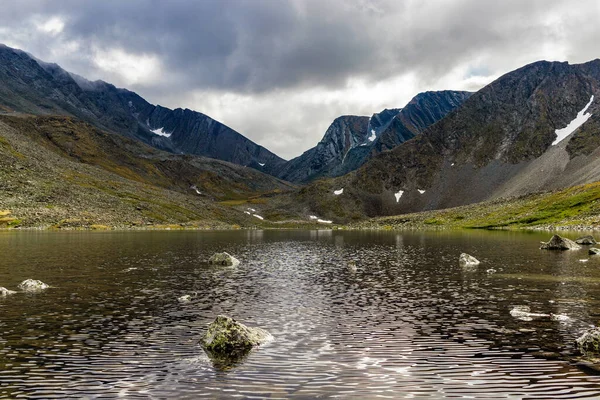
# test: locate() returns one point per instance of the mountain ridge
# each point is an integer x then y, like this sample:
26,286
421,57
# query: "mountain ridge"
350,140
33,86
497,144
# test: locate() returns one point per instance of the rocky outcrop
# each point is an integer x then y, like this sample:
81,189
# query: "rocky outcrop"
228,341
224,259
560,243
586,240
467,260
5,292
594,251
32,285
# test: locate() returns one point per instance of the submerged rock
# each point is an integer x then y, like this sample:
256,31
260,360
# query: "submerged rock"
184,299
32,285
589,342
5,292
560,243
466,259
227,341
594,251
524,313
352,266
586,240
223,259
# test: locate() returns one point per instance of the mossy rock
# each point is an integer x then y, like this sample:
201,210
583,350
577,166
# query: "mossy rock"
224,258
589,343
227,341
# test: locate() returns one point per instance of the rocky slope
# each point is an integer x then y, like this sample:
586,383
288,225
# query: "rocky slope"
350,141
31,86
60,172
499,143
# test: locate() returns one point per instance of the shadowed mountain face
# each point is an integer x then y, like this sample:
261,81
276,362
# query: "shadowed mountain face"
351,141
31,86
503,141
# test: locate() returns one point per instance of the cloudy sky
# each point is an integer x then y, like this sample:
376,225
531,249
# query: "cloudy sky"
279,71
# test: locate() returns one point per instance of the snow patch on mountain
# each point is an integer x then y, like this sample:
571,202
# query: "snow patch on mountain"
579,120
160,132
373,136
398,195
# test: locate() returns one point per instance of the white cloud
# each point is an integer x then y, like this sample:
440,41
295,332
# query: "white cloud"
127,68
52,26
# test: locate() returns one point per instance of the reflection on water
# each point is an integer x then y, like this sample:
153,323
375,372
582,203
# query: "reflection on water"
354,314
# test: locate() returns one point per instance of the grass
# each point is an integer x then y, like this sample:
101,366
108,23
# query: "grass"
571,207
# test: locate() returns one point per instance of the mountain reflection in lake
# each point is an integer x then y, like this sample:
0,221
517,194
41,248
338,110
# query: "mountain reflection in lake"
354,314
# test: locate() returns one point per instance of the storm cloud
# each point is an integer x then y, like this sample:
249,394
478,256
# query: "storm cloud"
280,71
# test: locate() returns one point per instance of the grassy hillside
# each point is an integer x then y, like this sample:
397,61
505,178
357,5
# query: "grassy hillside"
60,172
577,207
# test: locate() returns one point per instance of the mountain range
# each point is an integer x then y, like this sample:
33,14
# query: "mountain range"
534,129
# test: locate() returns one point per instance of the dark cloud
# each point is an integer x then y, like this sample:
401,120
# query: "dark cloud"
263,54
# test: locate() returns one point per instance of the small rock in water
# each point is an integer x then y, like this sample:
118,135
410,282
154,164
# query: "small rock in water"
227,341
352,266
32,285
560,317
491,271
586,240
5,292
589,342
594,251
524,313
466,259
560,243
184,299
224,259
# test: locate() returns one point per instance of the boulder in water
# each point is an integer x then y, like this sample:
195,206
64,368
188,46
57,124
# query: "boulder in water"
227,341
586,240
5,292
594,251
560,243
589,342
466,259
225,259
32,285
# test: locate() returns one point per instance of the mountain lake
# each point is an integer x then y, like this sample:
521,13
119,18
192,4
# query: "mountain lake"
354,314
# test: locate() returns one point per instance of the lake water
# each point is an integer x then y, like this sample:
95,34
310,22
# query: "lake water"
408,323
